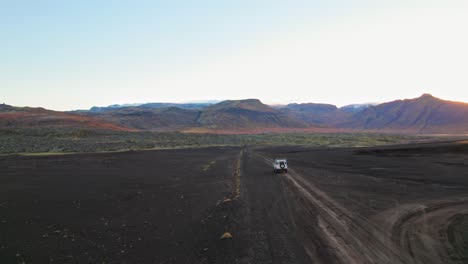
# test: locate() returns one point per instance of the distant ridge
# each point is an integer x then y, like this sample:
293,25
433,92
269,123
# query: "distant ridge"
149,119
247,113
192,105
33,118
354,108
426,114
318,114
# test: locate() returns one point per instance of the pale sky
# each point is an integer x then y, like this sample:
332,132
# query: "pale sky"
66,55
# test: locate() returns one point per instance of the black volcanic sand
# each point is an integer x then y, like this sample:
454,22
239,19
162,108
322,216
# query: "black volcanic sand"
136,207
397,204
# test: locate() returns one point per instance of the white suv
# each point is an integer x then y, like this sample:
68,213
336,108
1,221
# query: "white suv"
280,165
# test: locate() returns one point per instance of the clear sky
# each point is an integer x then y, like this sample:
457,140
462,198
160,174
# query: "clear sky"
67,55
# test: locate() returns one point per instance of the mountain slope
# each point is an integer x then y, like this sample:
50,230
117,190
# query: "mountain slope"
312,108
250,113
318,114
28,117
426,114
151,119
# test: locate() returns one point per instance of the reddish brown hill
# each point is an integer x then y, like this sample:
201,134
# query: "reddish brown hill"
28,117
426,114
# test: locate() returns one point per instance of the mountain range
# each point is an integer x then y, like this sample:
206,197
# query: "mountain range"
426,114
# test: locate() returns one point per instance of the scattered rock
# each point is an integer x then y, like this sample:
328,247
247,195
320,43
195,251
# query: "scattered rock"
226,235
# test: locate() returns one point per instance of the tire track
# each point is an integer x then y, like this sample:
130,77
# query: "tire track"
408,233
348,238
270,225
423,230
